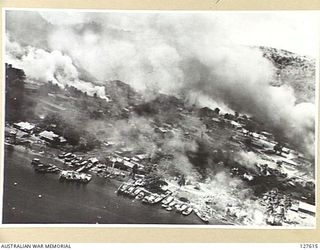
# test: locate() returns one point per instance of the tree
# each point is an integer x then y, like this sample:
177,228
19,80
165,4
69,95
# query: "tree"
278,148
14,94
217,111
251,126
134,171
72,135
182,181
248,141
228,116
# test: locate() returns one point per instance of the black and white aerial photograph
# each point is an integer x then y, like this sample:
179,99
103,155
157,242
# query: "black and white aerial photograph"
170,118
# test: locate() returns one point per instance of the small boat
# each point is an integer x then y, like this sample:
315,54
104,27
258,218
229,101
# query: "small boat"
125,191
53,169
120,188
168,192
67,155
137,191
163,196
146,199
187,211
35,161
69,177
129,190
83,163
74,161
178,207
85,177
169,208
90,165
61,156
41,170
124,187
151,198
67,160
140,196
167,200
172,203
182,208
139,182
202,217
157,199
75,176
132,192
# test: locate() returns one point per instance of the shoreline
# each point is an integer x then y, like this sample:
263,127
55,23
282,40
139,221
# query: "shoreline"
96,212
88,198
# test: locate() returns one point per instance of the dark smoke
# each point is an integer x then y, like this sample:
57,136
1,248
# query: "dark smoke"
180,53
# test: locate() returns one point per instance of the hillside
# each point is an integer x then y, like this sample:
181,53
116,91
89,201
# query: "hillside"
293,70
208,151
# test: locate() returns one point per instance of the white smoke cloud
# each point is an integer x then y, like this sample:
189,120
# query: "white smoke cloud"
248,159
177,53
47,66
231,194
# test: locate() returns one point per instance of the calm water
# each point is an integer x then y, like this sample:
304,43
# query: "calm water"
64,202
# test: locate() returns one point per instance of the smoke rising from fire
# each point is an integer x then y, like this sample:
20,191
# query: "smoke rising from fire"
172,53
47,66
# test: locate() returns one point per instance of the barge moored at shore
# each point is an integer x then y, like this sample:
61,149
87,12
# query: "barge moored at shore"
70,175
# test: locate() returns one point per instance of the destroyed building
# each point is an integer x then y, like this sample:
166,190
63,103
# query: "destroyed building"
24,126
52,138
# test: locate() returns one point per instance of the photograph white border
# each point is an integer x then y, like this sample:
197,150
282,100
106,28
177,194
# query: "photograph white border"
82,225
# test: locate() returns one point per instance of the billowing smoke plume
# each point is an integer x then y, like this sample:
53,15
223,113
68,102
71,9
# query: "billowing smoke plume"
231,194
47,66
180,54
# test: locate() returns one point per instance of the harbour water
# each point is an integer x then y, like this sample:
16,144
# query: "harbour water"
31,197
